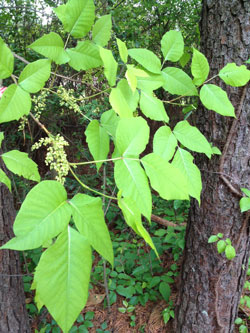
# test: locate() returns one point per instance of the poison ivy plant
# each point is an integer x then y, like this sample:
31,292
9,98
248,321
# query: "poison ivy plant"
68,227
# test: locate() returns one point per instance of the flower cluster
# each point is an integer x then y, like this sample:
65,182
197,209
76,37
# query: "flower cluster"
68,99
56,156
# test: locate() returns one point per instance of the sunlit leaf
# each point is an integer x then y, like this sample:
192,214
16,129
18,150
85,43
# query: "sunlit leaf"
147,59
172,45
6,60
102,30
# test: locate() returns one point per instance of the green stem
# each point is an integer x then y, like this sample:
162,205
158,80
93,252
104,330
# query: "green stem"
88,188
99,161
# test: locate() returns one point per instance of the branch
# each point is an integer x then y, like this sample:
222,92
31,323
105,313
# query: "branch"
166,223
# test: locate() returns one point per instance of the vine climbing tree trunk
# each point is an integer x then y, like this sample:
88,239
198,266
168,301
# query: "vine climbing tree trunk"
211,285
13,315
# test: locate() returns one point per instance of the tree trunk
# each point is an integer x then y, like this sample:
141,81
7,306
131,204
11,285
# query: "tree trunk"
211,285
13,314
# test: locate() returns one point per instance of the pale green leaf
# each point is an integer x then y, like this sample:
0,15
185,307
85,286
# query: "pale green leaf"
6,60
150,81
230,252
98,141
244,204
43,215
172,45
199,67
123,100
62,277
190,137
178,82
214,98
131,78
183,160
110,65
84,56
102,30
234,75
89,219
14,104
153,107
34,75
132,136
109,121
123,51
52,47
246,191
164,143
147,59
132,217
166,179
131,179
77,16
248,61
5,179
20,164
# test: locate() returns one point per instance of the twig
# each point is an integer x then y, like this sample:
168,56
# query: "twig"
166,223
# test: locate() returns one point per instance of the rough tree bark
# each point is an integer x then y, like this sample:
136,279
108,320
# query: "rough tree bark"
211,285
13,314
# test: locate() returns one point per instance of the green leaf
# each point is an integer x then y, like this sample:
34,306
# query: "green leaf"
185,59
216,151
132,217
147,59
153,107
98,141
213,239
1,138
5,179
230,252
234,75
123,51
102,30
199,67
132,136
164,143
166,179
14,104
52,47
131,179
77,17
62,277
20,164
244,204
190,137
221,246
123,100
110,65
246,191
6,60
248,61
178,82
89,219
165,290
131,78
149,81
214,98
84,56
172,45
43,215
109,121
183,160
34,75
